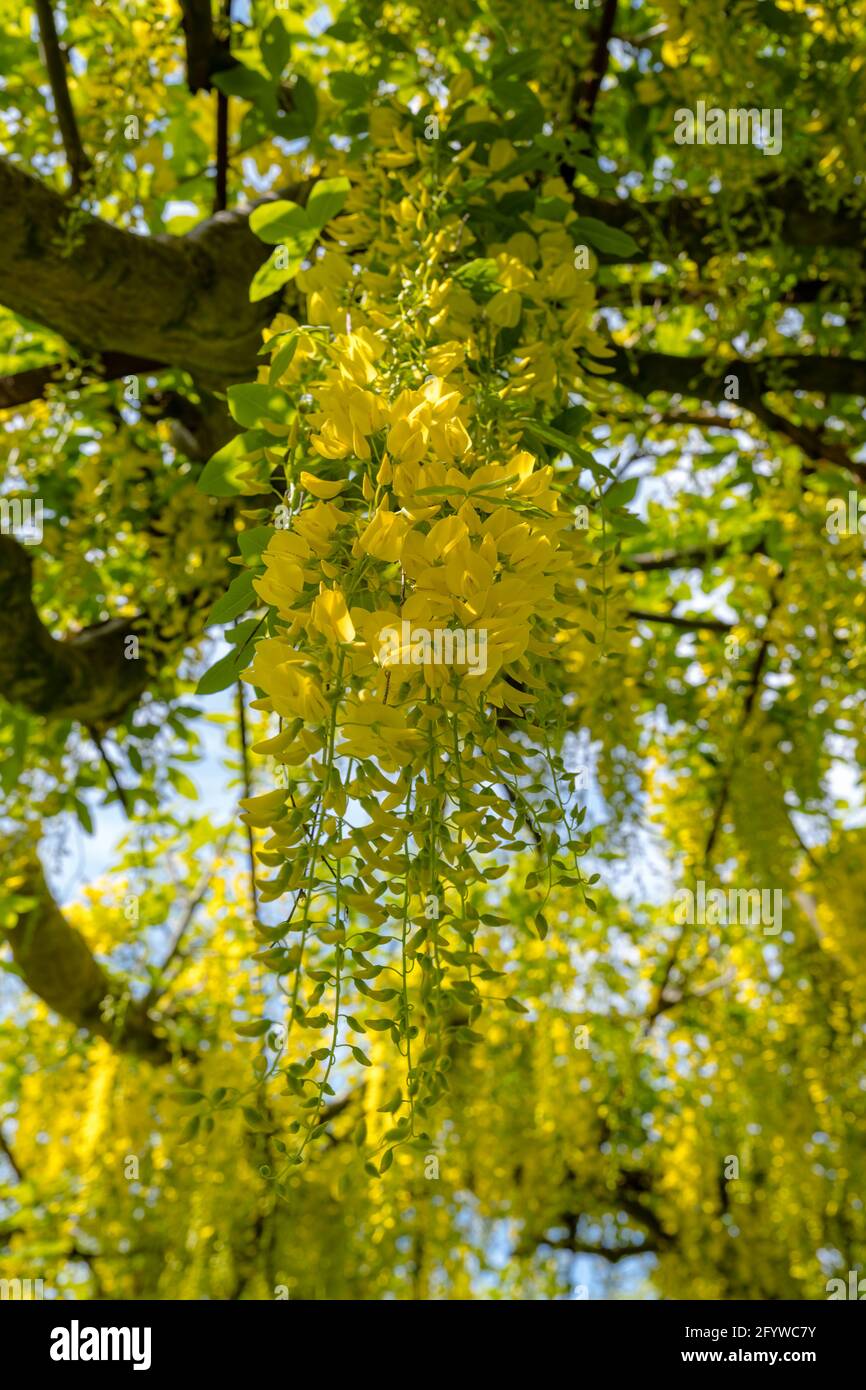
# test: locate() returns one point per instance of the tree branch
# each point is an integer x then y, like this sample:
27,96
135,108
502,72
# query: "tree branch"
55,65
32,384
86,677
692,557
692,224
181,301
611,1254
9,1156
55,962
754,686
590,87
645,372
197,23
247,789
222,124
112,772
696,624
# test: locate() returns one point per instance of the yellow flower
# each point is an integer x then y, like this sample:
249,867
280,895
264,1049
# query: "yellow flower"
331,616
384,536
283,579
504,308
322,487
278,670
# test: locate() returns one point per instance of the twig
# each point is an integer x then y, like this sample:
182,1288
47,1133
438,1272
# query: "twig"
695,624
749,704
158,987
245,765
119,787
10,1157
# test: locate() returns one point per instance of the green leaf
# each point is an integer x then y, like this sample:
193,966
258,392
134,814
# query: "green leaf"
326,200
552,209
222,674
221,475
183,784
515,1006
13,764
239,636
244,82
306,109
612,240
276,272
254,401
480,277
620,494
257,1029
84,816
282,357
236,600
276,47
393,1104
253,542
548,435
572,420
281,222
189,1097
349,88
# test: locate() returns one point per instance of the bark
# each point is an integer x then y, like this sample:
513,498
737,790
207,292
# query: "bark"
664,226
645,372
86,677
55,962
32,384
197,22
181,301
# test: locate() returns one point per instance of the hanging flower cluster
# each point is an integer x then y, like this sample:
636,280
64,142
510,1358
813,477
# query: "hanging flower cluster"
428,580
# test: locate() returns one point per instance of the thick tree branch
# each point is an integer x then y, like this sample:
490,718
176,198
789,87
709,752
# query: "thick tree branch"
813,445
32,384
181,301
87,677
646,372
668,226
55,962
